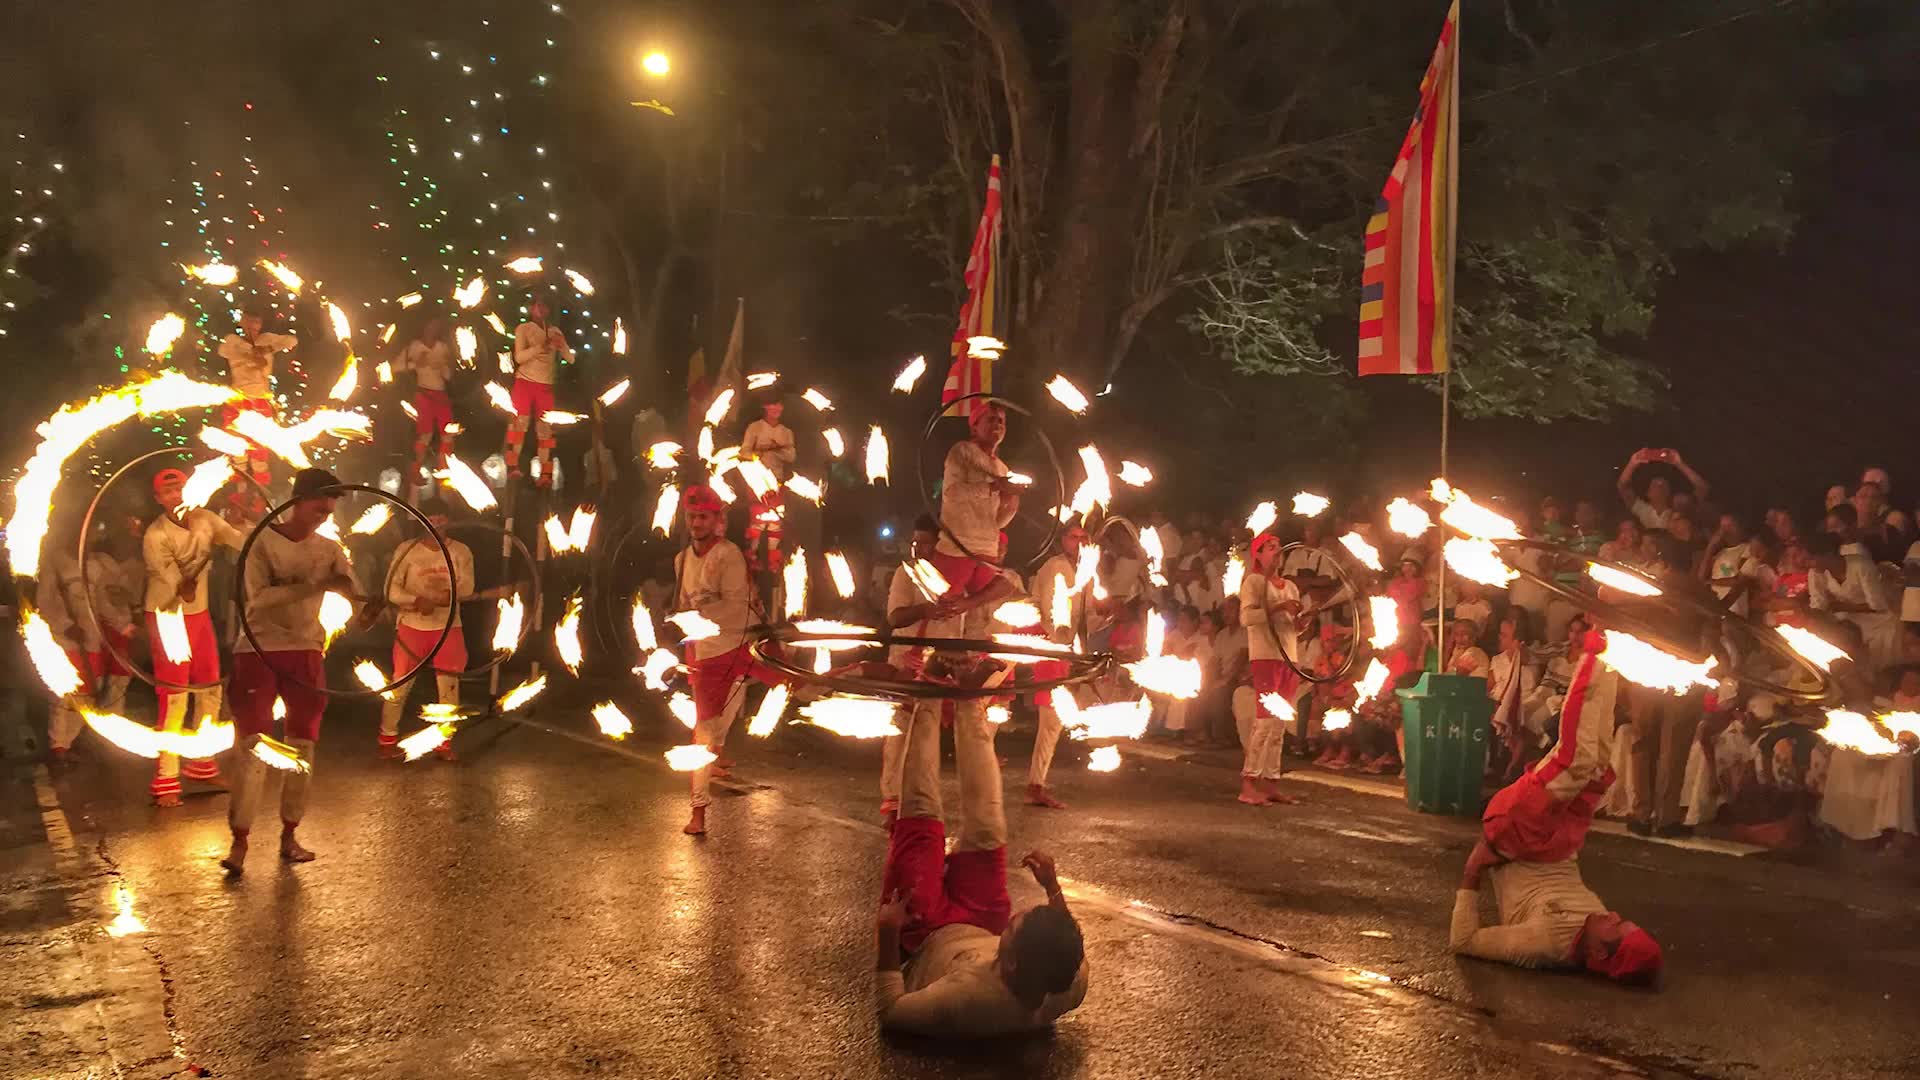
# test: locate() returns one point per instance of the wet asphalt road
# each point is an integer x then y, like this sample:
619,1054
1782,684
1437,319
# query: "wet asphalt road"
534,910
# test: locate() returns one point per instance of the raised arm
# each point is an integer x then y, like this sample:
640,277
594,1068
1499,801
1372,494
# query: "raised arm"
1701,489
1624,485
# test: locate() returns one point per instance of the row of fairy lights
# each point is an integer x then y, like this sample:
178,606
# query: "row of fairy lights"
28,222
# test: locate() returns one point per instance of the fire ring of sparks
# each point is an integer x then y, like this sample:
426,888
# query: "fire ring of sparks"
240,592
1081,667
1053,458
534,593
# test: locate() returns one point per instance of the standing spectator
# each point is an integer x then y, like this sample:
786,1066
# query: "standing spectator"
1724,564
1512,680
1910,596
1663,729
1230,662
1654,509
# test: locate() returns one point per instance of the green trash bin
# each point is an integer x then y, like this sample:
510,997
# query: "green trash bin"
1447,720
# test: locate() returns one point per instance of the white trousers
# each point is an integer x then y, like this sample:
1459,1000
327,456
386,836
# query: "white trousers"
1046,738
983,817
1263,737
256,781
445,683
712,734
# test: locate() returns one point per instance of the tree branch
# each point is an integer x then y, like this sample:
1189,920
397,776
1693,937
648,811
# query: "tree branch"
1156,70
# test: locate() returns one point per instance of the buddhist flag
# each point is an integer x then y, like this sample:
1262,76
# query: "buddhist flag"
1406,286
972,374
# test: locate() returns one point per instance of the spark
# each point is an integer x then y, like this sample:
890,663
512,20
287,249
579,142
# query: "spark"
903,382
1263,517
1017,613
1068,395
499,398
1336,720
876,456
1622,580
349,379
336,611
49,658
667,509
580,283
283,274
210,738
1104,759
1853,731
279,755
214,273
760,380
987,348
207,479
372,678
619,338
658,663
566,635
1815,649
1386,621
615,392
793,577
526,264
467,342
342,329
1367,554
662,455
1478,560
722,404
693,625
805,488
691,758
408,300
1407,519
1373,682
425,741
1307,504
1278,706
841,572
1134,474
469,295
520,695
612,722
836,445
853,716
927,579
817,399
466,483
1643,664
506,631
164,332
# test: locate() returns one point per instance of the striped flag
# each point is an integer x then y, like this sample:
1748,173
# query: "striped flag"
1405,286
972,374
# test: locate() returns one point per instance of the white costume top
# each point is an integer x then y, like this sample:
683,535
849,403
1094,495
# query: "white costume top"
283,611
1260,601
772,444
419,570
175,551
715,585
969,509
250,363
534,347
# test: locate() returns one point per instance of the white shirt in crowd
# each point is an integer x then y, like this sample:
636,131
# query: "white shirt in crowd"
114,586
1910,597
534,347
1862,586
1650,516
282,608
174,551
430,364
250,363
772,444
1203,592
1170,540
1260,601
952,987
969,509
715,585
418,569
56,595
1229,655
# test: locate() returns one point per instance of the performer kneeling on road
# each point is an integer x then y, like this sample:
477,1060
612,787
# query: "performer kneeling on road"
976,969
1530,843
288,573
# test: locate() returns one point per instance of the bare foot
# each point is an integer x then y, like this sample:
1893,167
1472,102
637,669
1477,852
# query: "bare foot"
1250,792
1038,795
720,772
236,860
1275,797
291,850
697,824
722,761
167,801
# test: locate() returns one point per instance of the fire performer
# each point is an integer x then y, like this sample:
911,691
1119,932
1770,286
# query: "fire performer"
178,551
288,573
534,346
420,593
771,443
909,612
976,502
57,597
430,358
1269,606
1052,591
974,968
249,357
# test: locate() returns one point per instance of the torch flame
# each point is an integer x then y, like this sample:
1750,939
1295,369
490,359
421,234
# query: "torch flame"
342,329
767,716
408,300
210,738
662,455
1478,560
372,678
279,755
666,509
644,634
49,659
876,456
493,321
1134,474
985,347
613,723
164,332
760,479
425,741
226,442
1104,759
760,380
903,382
690,758
499,398
1115,720
853,716
1336,720
372,520
466,483
1373,682
1307,504
566,635
836,445
470,294
283,274
1643,664
279,440
1086,570
817,399
1407,519
336,611
1817,650
1017,613
174,642
704,444
693,625
520,695
513,615
619,337
1278,706
1621,580
1169,675
1469,517
805,488
214,273
722,402
1068,395
1061,614
659,662
1367,554
349,379
1099,483
1386,621
793,577
1262,518
1852,731
928,579
560,418
580,283
526,264
207,479
615,392
842,573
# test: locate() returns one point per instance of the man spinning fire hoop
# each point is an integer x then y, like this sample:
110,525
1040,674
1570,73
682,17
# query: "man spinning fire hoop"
534,346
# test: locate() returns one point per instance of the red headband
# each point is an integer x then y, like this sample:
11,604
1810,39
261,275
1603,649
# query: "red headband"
702,498
167,478
1263,541
1638,959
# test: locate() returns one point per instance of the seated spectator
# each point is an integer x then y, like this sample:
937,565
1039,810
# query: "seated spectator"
1625,545
1654,509
1473,605
1464,657
1512,680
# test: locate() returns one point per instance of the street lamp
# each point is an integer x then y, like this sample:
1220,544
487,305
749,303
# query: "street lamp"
656,64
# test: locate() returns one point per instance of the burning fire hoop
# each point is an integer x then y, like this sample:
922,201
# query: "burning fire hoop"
534,595
1355,597
240,592
1081,667
86,577
1053,459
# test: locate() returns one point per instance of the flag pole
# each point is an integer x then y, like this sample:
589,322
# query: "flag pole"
1453,285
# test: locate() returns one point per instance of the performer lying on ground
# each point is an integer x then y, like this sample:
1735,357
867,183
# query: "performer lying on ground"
974,968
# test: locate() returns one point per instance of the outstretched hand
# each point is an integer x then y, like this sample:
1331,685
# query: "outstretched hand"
1044,872
893,910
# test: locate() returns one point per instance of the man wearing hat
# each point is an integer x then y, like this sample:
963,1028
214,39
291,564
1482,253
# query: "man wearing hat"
288,573
421,595
1269,606
177,549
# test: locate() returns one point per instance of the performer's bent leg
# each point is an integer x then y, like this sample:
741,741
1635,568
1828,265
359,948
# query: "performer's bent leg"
893,760
983,818
63,725
920,772
516,433
1046,738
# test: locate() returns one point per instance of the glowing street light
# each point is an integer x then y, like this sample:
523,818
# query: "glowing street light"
656,64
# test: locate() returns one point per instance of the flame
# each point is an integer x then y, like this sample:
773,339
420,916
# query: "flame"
690,758
425,741
172,625
916,367
526,264
493,321
280,756
927,579
805,488
1853,731
693,625
793,577
342,329
1017,613
329,529
336,611
49,659
683,710
566,635
226,442
1028,641
836,445
1150,547
1104,759
1478,560
842,573
207,479
1336,720
760,380
1115,720
853,716
998,714
1169,675
1278,706
283,274
126,922
522,694
275,438
1901,723
339,423
1156,635
372,678
760,479
1367,554
1262,518
560,418
349,379
1086,569
643,631
1643,664
408,300
164,332
557,540
721,489
985,347
833,626
667,509
499,398
210,738
572,537
513,615
876,456
1099,485
372,520
466,483
619,337
1407,519
722,404
659,662
704,445
1469,517
1307,504
1386,621
504,361
1133,474
470,294
767,716
214,273
1068,395
580,283
1373,682
1815,649
613,723
661,455
1061,614
1621,580
1019,478
615,392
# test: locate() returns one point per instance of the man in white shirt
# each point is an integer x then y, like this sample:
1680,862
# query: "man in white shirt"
177,550
1512,680
1548,919
535,344
430,358
1269,608
288,573
57,598
770,441
249,357
976,969
1657,506
1053,594
1845,582
421,594
976,502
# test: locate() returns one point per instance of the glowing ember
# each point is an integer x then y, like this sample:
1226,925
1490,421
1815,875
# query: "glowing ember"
760,380
1852,731
1017,613
927,579
1407,519
772,708
1116,720
1336,720
1278,706
566,635
470,294
280,756
372,520
208,478
1621,580
619,338
1367,554
283,274
842,574
903,382
499,398
662,455
1307,504
526,264
1134,474
336,611
1469,517
876,455
1643,664
1373,682
164,332
722,404
1478,560
1262,518
817,399
580,283
667,509
805,488
214,273
988,348
349,379
612,722
689,758
836,445
1386,621
520,695
1104,759
208,739
853,716
506,631
467,484
1817,650
1169,675
371,677
560,418
658,665
1068,395
693,625
615,392
49,659
408,300
425,741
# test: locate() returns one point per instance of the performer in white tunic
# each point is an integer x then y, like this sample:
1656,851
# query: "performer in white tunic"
1054,595
1269,606
908,613
421,596
535,345
430,357
769,441
249,356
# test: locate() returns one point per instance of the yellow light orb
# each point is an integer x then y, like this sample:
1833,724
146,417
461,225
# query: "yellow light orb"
656,64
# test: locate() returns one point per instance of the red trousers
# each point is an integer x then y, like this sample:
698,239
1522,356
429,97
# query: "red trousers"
964,887
259,678
1523,822
1272,677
